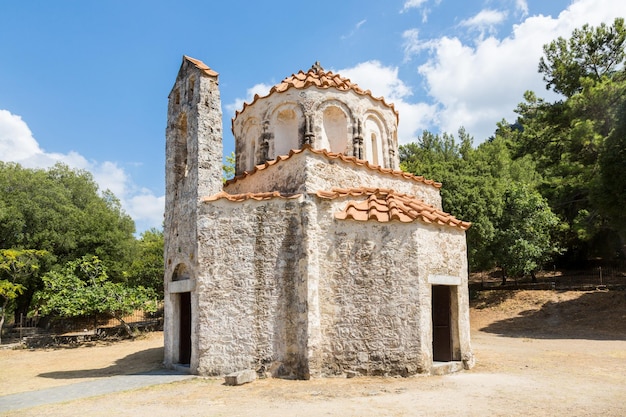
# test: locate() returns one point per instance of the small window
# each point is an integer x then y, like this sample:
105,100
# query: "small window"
374,149
180,273
192,84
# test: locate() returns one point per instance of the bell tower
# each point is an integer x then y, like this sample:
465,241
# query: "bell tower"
193,169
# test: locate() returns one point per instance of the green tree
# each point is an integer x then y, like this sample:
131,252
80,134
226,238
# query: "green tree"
83,288
573,141
17,268
147,268
8,292
590,52
228,169
611,193
61,211
475,182
524,237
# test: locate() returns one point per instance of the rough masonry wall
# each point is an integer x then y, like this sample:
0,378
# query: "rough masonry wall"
370,297
444,253
252,288
325,175
307,172
288,178
193,168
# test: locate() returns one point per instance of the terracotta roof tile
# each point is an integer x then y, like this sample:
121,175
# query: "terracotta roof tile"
200,65
333,155
318,77
385,205
249,196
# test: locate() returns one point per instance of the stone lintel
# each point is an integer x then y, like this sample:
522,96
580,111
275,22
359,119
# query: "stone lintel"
444,280
186,285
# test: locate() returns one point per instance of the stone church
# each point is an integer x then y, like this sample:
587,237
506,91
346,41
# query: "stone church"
320,257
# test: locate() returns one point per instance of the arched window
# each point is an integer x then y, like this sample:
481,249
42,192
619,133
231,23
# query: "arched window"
374,146
286,135
180,273
252,133
335,129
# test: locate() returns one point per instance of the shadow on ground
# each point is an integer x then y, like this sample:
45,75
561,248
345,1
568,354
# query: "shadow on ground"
594,316
138,362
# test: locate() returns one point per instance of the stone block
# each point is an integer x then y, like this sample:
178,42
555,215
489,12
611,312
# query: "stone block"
240,378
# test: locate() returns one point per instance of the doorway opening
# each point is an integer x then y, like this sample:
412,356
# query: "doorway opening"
442,323
184,326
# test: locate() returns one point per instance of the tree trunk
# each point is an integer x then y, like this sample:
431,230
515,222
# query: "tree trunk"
533,276
622,241
129,331
22,304
4,309
503,276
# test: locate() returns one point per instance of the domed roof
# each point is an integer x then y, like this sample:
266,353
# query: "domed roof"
316,76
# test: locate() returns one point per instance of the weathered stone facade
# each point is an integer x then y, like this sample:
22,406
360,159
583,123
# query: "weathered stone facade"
316,262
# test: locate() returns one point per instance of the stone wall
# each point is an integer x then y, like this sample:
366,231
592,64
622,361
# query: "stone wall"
193,169
308,172
252,289
371,296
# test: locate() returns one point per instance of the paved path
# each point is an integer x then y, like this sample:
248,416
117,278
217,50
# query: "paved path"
93,388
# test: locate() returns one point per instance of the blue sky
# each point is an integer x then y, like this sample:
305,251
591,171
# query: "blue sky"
86,82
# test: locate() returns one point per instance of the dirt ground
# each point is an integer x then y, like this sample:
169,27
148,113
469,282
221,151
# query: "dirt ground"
538,353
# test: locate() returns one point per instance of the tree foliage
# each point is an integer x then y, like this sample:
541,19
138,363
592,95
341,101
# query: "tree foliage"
477,186
17,268
525,232
83,288
147,268
576,142
228,168
61,211
592,53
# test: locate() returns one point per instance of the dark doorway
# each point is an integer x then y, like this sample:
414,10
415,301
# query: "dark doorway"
442,339
184,341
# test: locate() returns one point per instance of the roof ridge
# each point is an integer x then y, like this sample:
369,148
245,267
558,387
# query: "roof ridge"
391,205
320,78
200,65
258,196
334,155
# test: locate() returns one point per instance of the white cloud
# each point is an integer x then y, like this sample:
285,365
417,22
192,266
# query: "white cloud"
477,85
485,21
260,89
355,29
17,144
383,81
522,7
412,4
147,209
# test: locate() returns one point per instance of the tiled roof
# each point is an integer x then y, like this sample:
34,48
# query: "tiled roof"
200,65
317,77
385,205
333,155
249,196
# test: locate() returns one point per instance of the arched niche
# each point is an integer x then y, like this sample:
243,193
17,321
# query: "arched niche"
374,141
286,124
249,148
181,273
335,125
336,121
180,154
